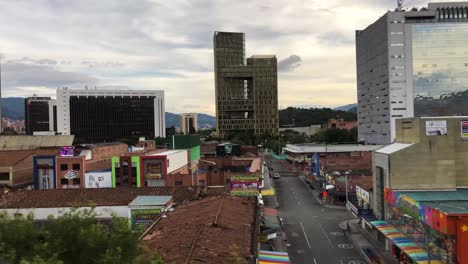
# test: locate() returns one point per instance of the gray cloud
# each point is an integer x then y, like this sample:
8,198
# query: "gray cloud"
290,63
15,74
337,38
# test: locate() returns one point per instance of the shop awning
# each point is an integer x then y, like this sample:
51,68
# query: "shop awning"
271,222
415,252
268,192
272,257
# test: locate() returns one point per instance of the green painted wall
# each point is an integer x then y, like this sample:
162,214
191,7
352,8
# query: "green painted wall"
114,161
195,153
136,159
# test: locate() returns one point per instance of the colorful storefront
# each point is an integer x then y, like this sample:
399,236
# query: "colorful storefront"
427,225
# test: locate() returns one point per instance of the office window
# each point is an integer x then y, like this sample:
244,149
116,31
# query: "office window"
64,167
4,176
76,166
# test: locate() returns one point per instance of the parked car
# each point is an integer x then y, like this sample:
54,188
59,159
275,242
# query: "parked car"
276,176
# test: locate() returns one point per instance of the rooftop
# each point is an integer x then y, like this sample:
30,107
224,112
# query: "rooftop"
169,152
23,142
392,148
449,207
150,200
93,197
212,230
313,148
263,56
13,157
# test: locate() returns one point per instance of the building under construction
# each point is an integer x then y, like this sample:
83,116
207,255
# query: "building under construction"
246,89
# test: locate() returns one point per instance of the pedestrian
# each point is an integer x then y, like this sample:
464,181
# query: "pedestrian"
325,194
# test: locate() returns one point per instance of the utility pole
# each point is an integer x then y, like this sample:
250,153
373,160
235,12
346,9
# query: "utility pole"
347,208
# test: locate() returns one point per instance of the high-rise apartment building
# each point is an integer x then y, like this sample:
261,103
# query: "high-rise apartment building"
108,115
411,63
188,123
40,115
246,90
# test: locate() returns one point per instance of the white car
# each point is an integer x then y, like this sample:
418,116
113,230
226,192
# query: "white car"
276,176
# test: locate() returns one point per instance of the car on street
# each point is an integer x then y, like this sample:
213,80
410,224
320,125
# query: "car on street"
276,176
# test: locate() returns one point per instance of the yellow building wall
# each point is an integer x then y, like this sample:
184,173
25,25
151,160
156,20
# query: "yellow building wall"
433,162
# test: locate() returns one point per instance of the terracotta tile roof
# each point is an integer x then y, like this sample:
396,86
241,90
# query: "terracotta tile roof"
191,225
89,197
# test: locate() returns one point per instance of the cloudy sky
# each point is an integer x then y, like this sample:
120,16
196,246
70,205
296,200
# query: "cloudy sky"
162,44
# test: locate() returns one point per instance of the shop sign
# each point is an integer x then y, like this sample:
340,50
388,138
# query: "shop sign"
464,130
362,194
154,170
436,128
70,175
408,206
144,216
262,238
244,185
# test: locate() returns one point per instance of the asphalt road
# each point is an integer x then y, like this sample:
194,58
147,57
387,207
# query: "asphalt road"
313,234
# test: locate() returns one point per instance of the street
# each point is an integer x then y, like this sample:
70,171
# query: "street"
313,234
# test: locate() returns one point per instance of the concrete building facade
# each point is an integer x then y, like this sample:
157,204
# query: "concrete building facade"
95,116
246,90
188,123
405,68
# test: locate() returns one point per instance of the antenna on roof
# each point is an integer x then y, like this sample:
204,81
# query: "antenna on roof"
400,5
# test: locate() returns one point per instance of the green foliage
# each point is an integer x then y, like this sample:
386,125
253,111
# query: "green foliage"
74,237
335,135
301,117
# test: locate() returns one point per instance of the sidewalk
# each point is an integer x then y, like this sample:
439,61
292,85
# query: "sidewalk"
368,248
315,193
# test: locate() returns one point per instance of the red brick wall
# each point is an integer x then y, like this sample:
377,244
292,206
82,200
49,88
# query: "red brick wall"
102,157
70,161
340,123
360,160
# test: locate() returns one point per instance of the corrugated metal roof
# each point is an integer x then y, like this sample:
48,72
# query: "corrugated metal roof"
431,196
150,200
449,207
22,142
395,147
313,148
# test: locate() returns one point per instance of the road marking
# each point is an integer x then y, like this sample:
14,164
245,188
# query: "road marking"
315,261
305,235
325,233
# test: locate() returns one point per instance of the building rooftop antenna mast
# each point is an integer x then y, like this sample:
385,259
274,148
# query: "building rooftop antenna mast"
400,5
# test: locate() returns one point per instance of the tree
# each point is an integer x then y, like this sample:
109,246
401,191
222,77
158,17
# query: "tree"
73,237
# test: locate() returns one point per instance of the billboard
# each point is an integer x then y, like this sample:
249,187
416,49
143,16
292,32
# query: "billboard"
244,185
464,130
436,128
67,151
102,179
144,216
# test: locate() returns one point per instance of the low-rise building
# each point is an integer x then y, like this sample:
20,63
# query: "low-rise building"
339,157
340,123
77,167
420,188
125,202
16,166
212,230
309,130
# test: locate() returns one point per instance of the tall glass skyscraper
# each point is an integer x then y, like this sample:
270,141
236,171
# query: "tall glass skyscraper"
440,69
411,63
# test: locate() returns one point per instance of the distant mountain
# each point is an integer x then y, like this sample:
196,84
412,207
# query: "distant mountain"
353,110
346,107
13,108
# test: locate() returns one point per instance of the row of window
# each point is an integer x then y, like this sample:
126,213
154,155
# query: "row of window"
65,167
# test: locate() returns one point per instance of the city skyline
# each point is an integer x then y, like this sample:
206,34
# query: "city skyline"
160,45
